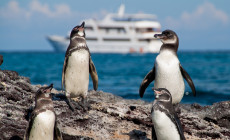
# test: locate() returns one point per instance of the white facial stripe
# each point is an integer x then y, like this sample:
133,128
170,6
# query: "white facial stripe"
81,33
157,96
169,41
164,100
162,107
38,100
47,94
77,37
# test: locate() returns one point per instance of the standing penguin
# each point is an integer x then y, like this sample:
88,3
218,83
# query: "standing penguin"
167,71
167,125
1,60
42,123
77,66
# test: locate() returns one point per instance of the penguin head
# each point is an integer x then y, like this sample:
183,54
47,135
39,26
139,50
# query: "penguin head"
169,38
78,31
163,95
1,60
44,92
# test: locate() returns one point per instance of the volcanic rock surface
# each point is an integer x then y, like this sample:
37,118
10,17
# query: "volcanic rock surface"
109,117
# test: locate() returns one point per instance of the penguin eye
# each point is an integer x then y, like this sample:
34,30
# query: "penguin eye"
166,34
76,28
169,35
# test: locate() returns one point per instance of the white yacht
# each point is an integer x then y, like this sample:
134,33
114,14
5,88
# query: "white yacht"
117,33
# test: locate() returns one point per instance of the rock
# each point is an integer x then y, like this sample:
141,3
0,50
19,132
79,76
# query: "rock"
109,117
211,122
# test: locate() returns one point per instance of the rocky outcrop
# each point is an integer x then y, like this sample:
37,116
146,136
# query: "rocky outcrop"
109,116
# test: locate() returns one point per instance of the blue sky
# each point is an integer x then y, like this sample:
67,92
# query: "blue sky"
200,24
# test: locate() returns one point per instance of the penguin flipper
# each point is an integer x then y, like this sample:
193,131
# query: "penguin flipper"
63,72
93,74
154,136
57,132
188,79
28,129
176,120
146,81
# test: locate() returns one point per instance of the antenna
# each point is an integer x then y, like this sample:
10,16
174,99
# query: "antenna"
121,10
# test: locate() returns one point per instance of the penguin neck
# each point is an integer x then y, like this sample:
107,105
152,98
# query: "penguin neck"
78,41
162,106
44,103
169,48
77,37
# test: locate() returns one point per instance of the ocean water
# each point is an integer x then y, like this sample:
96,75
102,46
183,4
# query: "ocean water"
122,74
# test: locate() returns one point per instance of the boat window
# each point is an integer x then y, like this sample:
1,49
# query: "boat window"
91,39
144,40
142,30
113,29
149,29
121,30
88,28
107,30
132,19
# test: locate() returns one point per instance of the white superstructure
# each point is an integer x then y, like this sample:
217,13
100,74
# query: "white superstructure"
117,33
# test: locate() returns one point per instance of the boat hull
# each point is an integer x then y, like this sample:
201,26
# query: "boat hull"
60,44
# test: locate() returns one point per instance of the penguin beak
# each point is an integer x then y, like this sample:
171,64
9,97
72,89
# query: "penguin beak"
160,36
83,24
81,28
49,88
157,92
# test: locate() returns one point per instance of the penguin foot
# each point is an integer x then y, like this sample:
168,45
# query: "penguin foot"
77,99
84,106
62,97
69,104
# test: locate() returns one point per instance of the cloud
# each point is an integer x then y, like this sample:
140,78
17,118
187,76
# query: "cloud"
59,10
204,17
36,10
13,10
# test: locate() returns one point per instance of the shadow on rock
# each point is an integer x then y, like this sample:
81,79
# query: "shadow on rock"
137,135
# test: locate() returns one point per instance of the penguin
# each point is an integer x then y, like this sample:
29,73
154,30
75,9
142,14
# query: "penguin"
42,122
77,66
1,60
167,71
167,125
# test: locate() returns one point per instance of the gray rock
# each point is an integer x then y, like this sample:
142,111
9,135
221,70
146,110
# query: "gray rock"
211,122
109,117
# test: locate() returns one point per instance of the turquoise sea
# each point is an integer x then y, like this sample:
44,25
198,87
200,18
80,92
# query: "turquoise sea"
122,74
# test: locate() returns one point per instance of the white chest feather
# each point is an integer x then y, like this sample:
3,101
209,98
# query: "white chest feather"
43,126
168,75
77,74
165,129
